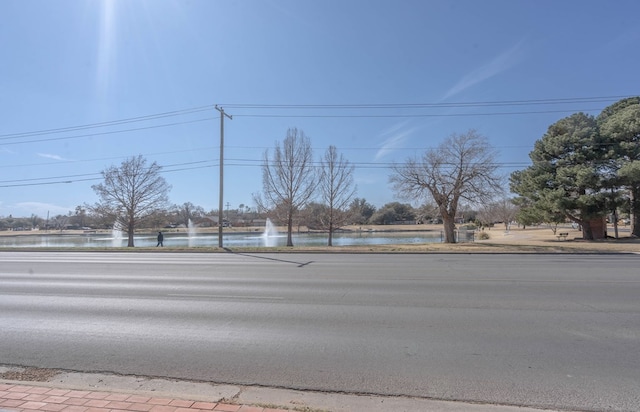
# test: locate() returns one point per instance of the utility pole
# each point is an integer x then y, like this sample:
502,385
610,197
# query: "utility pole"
220,203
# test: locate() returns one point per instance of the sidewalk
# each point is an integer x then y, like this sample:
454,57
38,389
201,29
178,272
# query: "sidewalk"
39,398
99,392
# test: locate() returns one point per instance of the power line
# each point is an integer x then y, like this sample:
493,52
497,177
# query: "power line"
414,115
48,178
200,164
109,123
209,148
253,162
364,165
527,102
199,150
64,179
16,136
105,133
375,106
249,162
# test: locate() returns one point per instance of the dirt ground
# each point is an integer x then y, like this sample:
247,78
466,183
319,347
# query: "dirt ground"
516,240
542,239
530,240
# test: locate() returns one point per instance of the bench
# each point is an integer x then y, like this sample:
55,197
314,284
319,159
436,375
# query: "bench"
562,235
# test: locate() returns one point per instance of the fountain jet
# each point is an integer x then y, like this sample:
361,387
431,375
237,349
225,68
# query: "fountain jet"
270,234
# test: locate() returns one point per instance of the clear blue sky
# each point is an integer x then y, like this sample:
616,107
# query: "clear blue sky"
71,63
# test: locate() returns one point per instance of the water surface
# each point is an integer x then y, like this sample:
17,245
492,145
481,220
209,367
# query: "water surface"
98,240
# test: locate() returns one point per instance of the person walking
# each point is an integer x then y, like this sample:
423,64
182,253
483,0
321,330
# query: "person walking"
160,239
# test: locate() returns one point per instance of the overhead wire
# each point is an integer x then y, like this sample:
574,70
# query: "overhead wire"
201,164
97,176
254,162
105,133
406,116
108,123
199,150
375,106
428,105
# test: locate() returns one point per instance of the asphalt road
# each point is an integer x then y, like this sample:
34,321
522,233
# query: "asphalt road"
556,331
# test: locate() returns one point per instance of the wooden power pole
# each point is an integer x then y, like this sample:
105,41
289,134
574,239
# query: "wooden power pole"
220,203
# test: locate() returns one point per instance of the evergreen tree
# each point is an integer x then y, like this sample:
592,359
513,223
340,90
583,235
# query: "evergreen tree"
620,126
568,174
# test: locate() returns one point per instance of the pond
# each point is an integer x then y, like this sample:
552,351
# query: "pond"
231,239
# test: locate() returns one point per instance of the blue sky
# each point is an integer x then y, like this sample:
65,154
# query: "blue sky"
160,66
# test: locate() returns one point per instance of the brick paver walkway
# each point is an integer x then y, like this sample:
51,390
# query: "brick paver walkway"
39,398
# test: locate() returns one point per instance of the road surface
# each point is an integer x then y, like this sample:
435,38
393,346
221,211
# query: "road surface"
557,331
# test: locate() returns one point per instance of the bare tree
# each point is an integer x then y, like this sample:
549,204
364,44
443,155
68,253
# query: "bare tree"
80,216
462,168
504,210
131,192
486,216
315,216
188,211
288,179
336,187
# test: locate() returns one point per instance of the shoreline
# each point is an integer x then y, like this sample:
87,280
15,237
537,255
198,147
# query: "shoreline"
531,240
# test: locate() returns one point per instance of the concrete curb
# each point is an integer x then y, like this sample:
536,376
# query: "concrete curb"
261,398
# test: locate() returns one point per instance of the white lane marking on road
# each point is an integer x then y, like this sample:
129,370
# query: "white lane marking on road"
181,295
139,261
